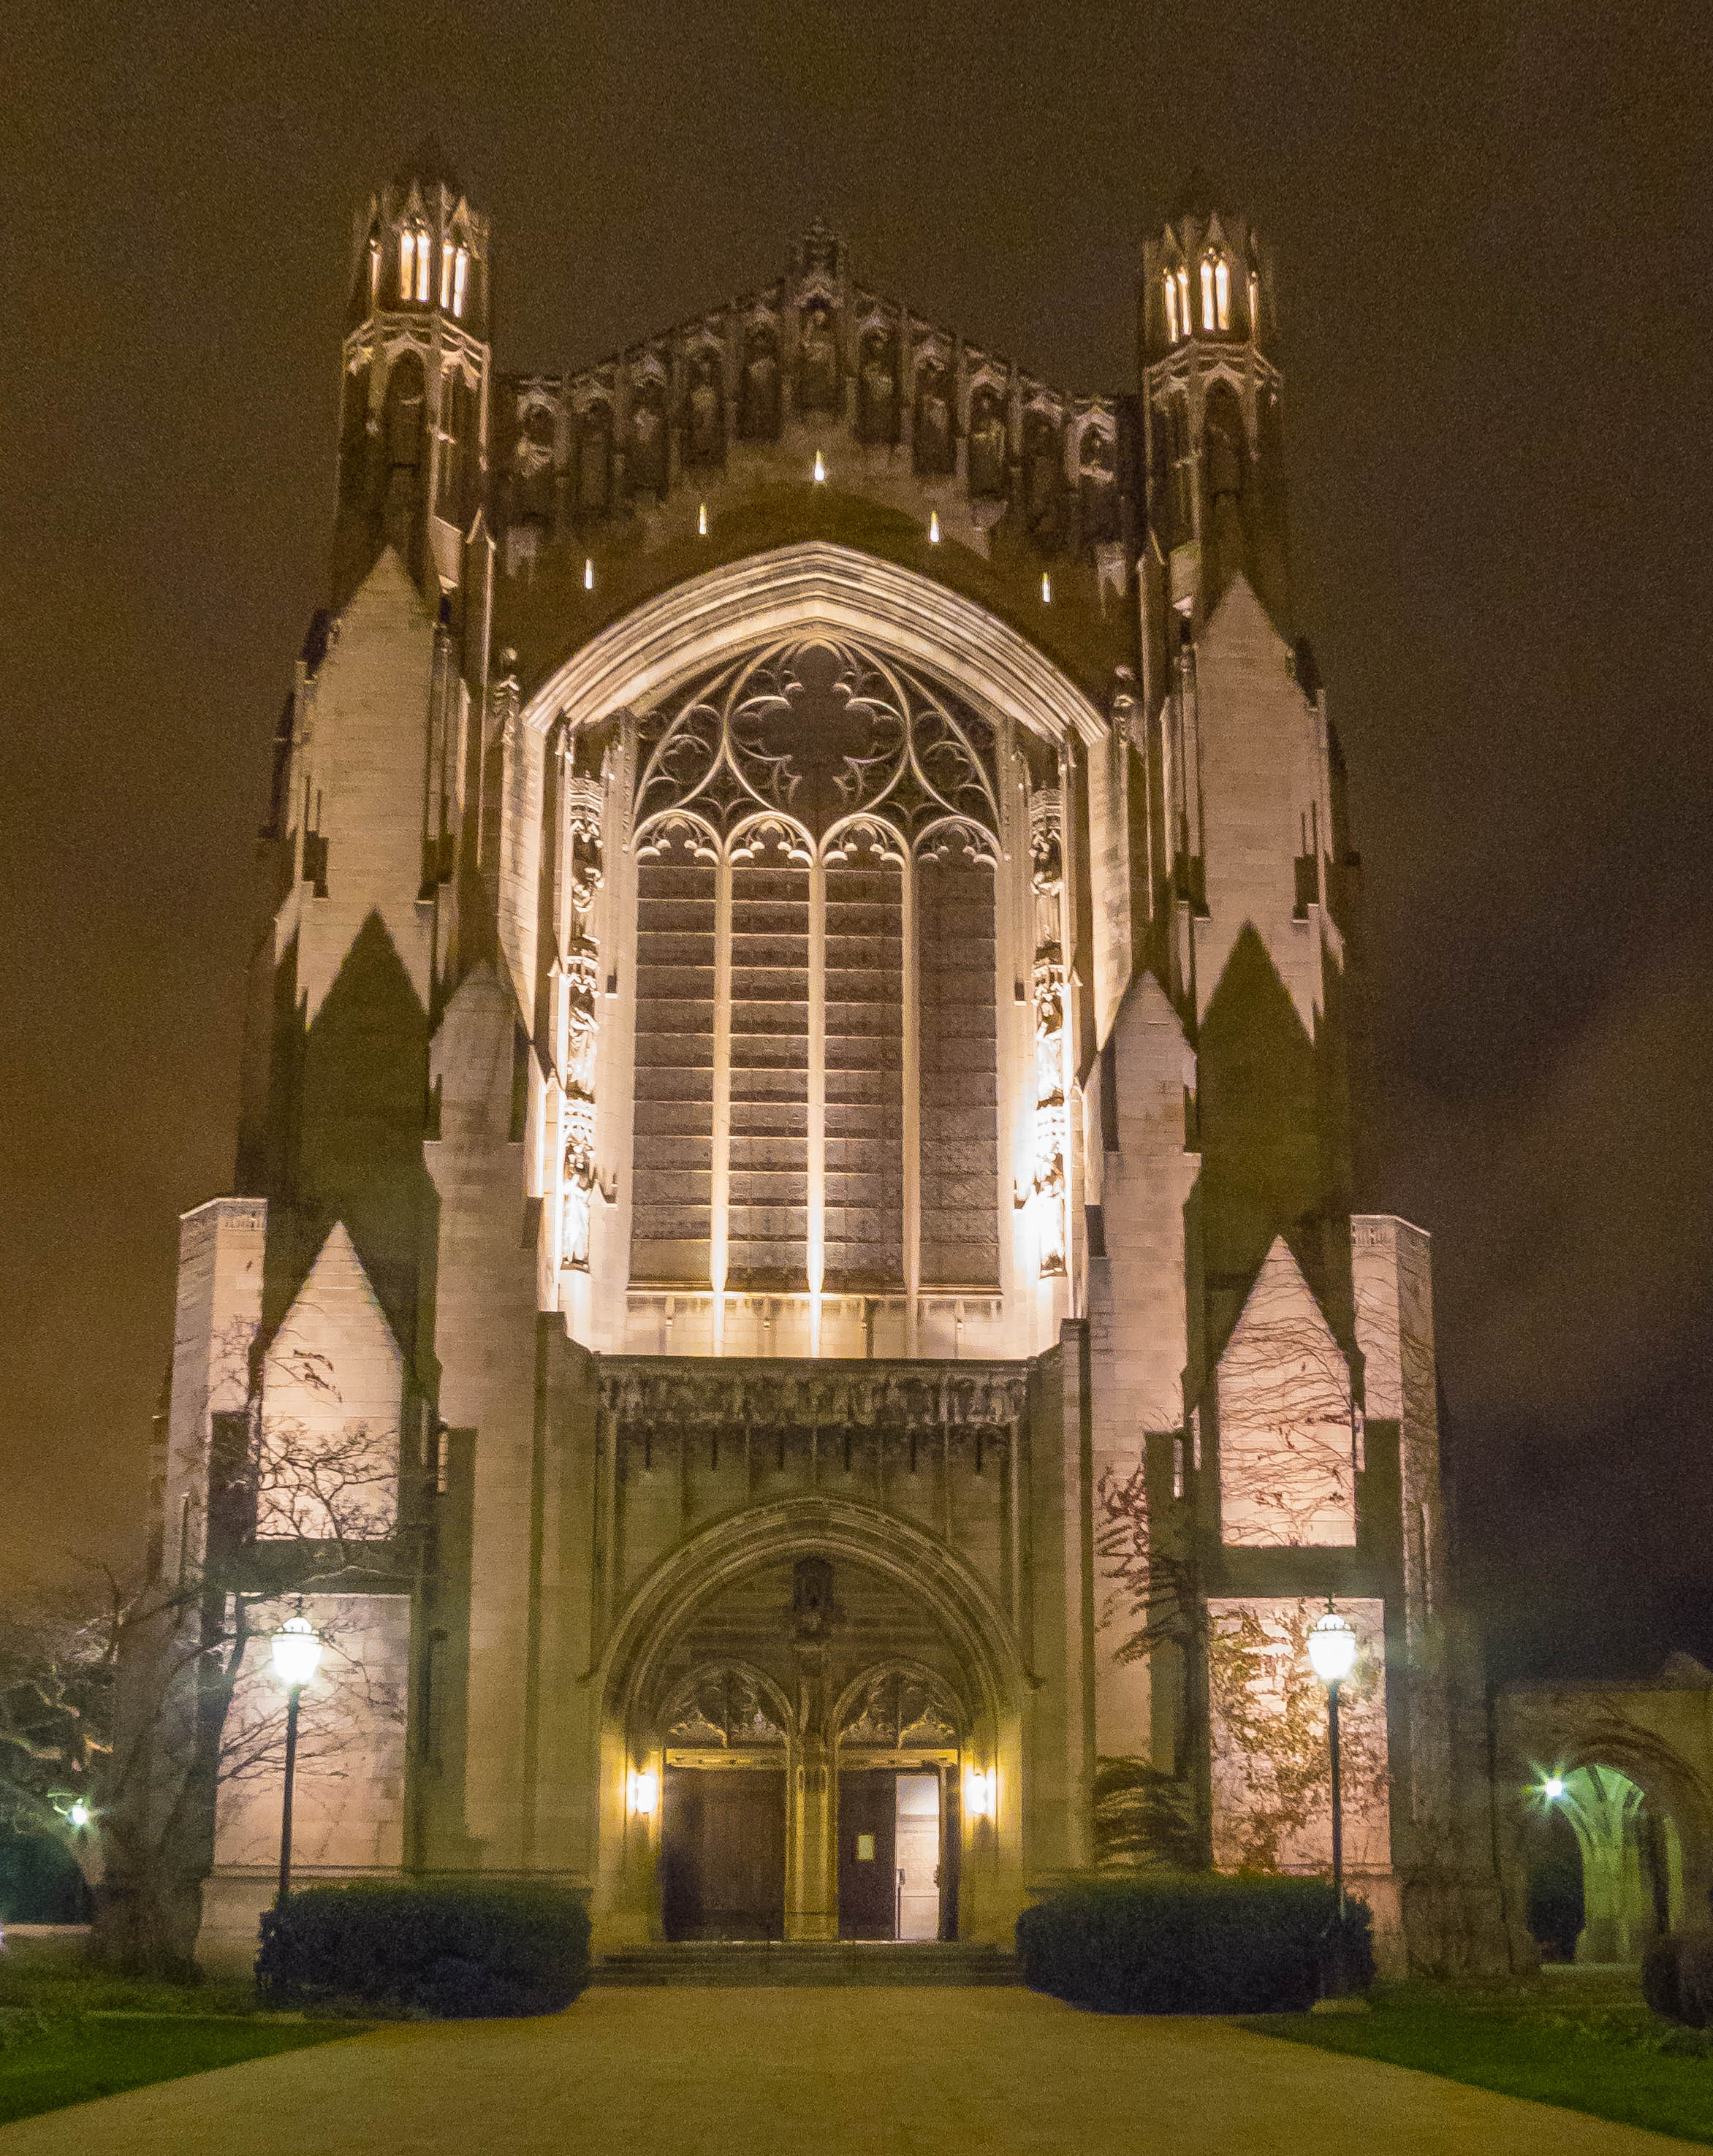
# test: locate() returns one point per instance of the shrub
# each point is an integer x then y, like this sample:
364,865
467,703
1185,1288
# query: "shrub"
1677,1977
454,1951
1661,1985
1196,1943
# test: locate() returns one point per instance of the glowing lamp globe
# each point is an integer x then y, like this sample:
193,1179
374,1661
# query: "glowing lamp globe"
1552,1788
79,1814
297,1652
1332,1648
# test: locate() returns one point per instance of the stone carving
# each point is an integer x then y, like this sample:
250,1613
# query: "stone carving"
936,451
901,1710
722,1709
654,1390
817,359
580,972
704,408
877,386
851,749
645,463
1051,1130
987,443
759,402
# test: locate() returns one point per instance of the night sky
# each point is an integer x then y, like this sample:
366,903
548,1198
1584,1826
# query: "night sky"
1496,251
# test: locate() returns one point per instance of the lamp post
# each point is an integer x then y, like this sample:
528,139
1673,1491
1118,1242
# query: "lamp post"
1332,1650
297,1655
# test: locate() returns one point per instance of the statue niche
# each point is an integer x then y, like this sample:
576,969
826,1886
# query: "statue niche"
987,445
704,410
878,387
595,460
645,463
936,450
1096,486
758,403
402,431
818,371
1043,476
533,467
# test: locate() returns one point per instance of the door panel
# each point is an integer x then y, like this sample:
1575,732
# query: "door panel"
723,1853
917,1855
867,1860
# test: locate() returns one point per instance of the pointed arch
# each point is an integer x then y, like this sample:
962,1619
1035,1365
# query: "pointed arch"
817,584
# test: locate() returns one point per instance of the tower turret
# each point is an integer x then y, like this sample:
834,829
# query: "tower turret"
416,362
1210,401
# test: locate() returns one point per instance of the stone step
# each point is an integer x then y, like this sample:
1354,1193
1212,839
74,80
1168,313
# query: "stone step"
846,1962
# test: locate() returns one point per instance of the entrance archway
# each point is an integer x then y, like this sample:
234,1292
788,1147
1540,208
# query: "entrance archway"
777,1648
1603,1865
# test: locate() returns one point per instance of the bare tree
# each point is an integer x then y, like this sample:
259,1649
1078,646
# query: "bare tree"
288,1508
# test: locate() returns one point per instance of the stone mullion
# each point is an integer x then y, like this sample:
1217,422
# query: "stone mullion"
913,1107
816,1251
720,1166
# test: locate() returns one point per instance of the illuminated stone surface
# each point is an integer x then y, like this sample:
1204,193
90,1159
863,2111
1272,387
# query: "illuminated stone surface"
775,1049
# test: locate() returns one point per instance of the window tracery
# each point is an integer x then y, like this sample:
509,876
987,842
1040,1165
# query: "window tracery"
849,749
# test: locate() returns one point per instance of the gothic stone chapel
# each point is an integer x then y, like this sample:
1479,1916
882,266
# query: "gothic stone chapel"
793,1308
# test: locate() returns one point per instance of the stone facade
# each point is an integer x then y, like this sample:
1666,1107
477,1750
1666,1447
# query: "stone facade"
797,1161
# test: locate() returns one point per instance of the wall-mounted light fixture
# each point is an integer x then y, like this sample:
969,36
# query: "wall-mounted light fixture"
980,1793
588,573
642,1791
820,468
933,527
701,520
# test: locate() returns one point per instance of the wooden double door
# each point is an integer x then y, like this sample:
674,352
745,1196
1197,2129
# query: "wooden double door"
723,1853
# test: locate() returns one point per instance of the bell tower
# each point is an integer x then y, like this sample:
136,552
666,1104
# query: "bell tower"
416,360
1210,396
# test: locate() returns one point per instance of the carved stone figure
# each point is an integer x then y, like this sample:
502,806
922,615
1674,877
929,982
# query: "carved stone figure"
817,360
595,460
1098,485
704,429
646,464
987,443
878,388
759,411
935,449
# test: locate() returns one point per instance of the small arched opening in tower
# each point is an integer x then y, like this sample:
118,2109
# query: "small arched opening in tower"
1225,460
402,439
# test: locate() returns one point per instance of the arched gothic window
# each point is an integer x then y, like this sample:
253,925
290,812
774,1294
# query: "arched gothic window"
1210,317
455,277
1222,293
814,827
1171,308
413,247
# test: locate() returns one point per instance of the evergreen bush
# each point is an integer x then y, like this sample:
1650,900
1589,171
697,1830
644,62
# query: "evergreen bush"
1195,1943
455,1952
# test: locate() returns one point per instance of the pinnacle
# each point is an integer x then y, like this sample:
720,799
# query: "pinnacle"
430,167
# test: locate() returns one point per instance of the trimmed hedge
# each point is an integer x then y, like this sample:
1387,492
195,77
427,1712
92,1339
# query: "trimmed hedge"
1193,1943
459,1951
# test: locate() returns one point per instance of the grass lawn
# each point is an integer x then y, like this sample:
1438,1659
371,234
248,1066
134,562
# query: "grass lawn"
60,2062
1585,2042
69,2033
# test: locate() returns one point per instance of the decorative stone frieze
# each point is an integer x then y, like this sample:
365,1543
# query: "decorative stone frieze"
657,1390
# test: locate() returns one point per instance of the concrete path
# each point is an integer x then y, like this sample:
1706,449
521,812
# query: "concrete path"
915,2072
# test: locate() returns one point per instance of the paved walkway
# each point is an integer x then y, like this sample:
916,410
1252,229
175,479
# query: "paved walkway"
865,2072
